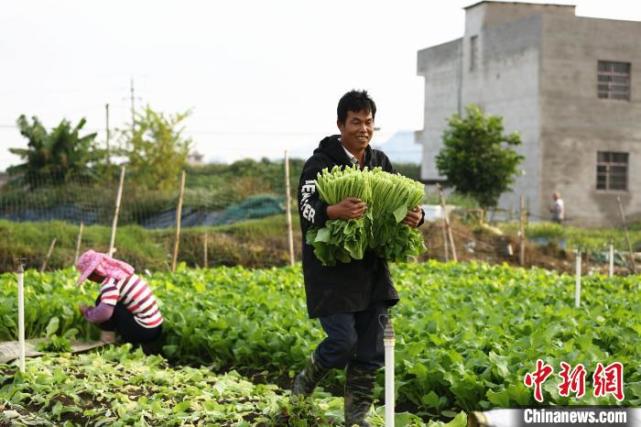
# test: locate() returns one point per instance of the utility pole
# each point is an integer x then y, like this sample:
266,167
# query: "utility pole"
108,133
133,107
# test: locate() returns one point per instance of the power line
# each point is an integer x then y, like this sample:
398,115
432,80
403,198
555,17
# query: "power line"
214,132
133,108
233,133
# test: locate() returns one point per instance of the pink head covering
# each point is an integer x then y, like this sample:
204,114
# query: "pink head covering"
102,264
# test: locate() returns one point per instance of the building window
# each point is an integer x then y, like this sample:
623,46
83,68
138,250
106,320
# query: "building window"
611,171
614,80
474,52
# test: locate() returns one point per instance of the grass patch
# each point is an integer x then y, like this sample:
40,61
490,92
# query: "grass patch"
252,243
586,238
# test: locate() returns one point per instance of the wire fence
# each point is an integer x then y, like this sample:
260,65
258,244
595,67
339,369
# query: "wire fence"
212,195
208,200
217,194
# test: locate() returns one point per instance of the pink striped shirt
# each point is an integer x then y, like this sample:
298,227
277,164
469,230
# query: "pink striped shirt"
134,293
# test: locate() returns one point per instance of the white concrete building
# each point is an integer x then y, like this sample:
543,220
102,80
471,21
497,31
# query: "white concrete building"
570,85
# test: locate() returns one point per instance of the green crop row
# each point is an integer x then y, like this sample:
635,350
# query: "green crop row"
466,333
116,387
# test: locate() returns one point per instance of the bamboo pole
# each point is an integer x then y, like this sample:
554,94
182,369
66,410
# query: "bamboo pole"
288,207
49,252
447,226
179,212
451,238
522,232
627,235
205,249
445,244
21,337
114,225
443,225
78,243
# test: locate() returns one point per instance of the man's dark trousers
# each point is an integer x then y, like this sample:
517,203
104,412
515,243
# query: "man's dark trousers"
354,338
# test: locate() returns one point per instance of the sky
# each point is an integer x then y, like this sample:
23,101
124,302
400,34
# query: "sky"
259,77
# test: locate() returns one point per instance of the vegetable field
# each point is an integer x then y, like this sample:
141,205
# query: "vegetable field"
466,336
119,388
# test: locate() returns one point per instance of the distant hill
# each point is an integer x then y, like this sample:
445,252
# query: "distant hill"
401,148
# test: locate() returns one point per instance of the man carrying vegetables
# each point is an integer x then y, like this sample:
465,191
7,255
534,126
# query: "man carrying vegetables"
351,299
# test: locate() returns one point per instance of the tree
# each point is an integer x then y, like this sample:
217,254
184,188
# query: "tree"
477,157
55,157
156,149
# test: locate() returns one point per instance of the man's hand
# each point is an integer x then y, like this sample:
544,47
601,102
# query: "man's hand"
349,208
83,308
413,217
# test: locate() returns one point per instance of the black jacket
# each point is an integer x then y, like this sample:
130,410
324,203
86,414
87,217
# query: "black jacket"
345,287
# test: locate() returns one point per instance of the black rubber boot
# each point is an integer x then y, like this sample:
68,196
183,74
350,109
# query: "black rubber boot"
306,380
359,395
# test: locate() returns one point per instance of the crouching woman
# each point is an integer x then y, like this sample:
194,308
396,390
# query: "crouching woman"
126,306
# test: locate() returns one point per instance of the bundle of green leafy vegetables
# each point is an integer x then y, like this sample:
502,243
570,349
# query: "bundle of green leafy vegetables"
389,197
341,240
393,196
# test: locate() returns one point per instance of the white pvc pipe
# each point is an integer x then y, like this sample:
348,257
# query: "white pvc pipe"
21,340
611,271
577,290
389,341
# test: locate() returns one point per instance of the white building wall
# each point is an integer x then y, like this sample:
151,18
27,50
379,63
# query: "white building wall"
441,68
576,124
